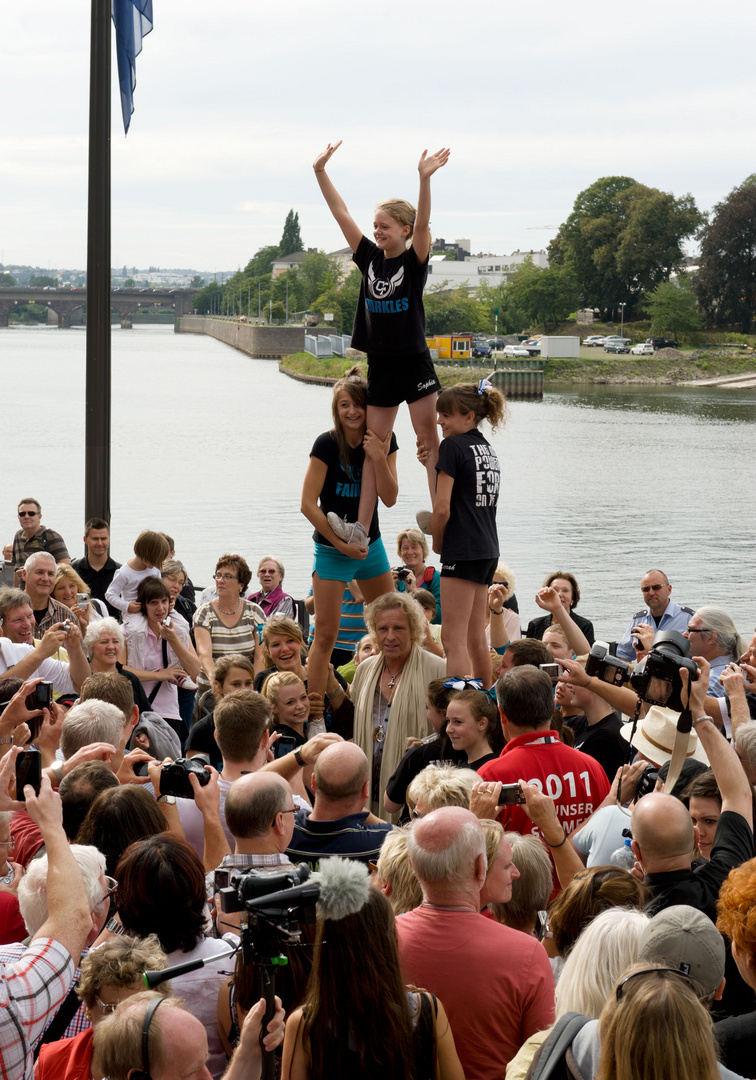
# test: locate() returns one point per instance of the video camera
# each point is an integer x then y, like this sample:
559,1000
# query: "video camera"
656,679
272,896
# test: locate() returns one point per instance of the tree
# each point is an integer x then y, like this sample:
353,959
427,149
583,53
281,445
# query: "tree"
726,280
622,238
129,283
317,274
672,308
197,282
7,281
291,239
454,311
261,263
43,281
543,296
208,299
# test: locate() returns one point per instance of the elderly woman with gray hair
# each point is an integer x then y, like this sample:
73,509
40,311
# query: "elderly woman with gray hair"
103,643
389,689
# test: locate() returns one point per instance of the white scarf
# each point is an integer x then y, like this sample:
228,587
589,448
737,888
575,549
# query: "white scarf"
406,718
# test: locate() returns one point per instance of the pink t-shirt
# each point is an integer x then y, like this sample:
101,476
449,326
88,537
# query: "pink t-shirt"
495,983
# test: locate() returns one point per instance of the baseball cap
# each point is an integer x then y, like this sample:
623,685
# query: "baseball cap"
688,940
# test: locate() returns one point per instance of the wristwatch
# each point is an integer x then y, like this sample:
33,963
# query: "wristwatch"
169,800
299,758
114,925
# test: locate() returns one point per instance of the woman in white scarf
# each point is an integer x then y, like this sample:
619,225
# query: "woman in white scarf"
389,689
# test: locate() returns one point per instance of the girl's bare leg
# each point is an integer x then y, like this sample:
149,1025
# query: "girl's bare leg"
464,635
381,421
327,596
423,416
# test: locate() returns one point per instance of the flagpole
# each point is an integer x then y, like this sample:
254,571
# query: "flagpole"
98,374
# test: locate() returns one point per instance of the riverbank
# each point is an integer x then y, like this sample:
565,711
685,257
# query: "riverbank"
602,369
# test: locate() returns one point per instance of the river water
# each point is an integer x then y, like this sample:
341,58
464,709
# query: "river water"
210,446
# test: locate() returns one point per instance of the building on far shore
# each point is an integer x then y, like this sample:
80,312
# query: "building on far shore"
473,270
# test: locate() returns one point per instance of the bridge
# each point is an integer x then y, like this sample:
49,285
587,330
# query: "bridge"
61,303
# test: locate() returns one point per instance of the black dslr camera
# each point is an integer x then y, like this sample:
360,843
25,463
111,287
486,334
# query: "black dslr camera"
174,778
656,678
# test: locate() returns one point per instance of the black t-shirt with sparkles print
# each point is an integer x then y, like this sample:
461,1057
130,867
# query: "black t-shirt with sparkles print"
340,493
390,318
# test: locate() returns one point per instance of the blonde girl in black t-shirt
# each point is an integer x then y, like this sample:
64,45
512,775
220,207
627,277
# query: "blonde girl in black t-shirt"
390,321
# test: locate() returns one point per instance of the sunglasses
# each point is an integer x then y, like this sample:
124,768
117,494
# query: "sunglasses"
28,513
654,971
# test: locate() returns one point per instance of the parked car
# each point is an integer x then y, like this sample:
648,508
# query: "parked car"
617,345
661,342
481,349
533,347
515,350
593,340
497,342
644,349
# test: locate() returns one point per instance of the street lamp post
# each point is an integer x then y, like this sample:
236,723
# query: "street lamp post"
622,319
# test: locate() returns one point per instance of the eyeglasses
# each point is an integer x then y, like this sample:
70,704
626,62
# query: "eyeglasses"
292,810
28,513
111,885
225,577
8,843
699,629
651,588
654,971
106,1007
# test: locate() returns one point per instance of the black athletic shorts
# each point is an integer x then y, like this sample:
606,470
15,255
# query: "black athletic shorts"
400,378
479,571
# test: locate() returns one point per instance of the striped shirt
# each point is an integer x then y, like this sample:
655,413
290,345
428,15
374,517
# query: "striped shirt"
242,637
31,991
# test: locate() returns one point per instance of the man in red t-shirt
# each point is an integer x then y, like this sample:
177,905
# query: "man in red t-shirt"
494,982
534,753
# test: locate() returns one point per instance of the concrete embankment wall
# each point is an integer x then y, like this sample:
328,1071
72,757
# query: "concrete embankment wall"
264,342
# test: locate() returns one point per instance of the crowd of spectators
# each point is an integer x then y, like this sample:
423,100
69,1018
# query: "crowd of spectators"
541,866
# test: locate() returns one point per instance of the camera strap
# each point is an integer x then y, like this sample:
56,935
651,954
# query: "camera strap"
154,691
680,750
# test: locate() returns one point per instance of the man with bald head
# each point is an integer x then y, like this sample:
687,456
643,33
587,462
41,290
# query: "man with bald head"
664,837
339,823
495,982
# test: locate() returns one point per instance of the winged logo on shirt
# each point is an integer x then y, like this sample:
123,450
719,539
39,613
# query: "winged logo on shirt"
380,288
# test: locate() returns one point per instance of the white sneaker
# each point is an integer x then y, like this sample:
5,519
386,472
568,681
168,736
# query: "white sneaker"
351,532
423,519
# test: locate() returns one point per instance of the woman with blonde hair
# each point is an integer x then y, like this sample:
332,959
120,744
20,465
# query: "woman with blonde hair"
68,588
412,549
288,699
284,649
654,1026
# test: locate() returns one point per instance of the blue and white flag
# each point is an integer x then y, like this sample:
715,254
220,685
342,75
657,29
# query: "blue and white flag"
132,19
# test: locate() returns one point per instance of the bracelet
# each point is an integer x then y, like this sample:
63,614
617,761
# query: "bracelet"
699,720
299,759
317,170
337,692
6,742
494,611
562,841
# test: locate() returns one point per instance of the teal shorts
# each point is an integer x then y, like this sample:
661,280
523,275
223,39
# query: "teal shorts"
331,565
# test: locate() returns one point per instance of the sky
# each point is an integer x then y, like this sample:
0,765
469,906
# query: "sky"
234,100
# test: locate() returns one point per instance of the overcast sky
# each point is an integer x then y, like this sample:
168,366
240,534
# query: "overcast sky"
536,100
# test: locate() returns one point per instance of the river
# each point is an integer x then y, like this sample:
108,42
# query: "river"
210,446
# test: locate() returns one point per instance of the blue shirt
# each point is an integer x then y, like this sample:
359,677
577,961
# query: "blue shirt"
351,837
674,618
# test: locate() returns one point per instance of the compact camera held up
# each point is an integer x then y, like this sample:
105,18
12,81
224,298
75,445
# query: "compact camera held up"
174,777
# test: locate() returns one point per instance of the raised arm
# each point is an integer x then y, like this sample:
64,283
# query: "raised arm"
337,206
725,763
548,599
421,232
621,698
